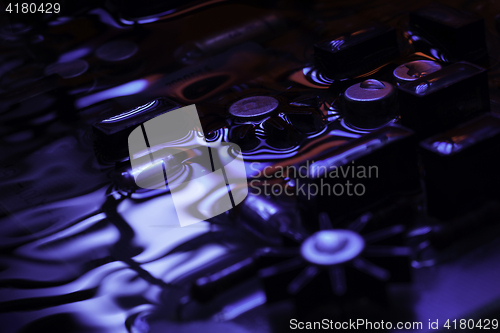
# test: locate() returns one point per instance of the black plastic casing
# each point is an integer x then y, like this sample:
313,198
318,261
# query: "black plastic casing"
461,167
444,99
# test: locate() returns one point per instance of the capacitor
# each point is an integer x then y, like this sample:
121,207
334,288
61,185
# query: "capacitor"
444,99
369,103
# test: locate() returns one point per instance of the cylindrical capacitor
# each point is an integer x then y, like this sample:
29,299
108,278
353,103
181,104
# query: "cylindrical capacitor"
369,103
414,70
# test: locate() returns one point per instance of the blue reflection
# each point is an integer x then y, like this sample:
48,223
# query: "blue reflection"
234,310
74,54
342,158
143,21
130,113
126,89
316,76
421,88
443,147
105,17
337,43
438,55
148,20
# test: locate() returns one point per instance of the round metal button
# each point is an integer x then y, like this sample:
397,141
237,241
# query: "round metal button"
254,106
415,69
369,104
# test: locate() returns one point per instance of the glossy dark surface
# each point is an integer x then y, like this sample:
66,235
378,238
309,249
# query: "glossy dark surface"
84,249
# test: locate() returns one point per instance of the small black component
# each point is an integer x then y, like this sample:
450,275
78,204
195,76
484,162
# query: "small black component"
353,176
444,99
461,167
370,104
414,70
111,134
459,34
244,136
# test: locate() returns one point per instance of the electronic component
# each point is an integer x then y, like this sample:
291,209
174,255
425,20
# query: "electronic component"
370,103
357,52
348,178
414,70
259,118
444,99
460,167
111,134
457,33
255,106
328,102
338,265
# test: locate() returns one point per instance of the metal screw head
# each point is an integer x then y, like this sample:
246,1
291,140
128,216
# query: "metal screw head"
369,104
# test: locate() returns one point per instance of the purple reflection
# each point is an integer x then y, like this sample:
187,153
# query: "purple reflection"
126,89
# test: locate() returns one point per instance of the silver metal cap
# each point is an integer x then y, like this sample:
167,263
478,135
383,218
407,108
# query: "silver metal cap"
415,69
368,91
369,104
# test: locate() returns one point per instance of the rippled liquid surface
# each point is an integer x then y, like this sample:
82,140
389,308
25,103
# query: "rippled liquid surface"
82,254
